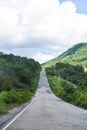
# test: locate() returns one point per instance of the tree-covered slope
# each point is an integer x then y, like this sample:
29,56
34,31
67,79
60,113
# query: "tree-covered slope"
18,80
75,55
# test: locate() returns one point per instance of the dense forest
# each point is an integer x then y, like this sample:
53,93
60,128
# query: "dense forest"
69,82
18,80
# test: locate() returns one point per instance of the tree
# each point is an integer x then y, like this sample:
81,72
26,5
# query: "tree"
6,85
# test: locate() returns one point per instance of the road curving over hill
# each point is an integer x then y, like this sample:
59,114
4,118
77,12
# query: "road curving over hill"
47,112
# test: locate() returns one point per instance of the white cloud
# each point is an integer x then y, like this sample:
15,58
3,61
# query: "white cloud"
41,57
41,24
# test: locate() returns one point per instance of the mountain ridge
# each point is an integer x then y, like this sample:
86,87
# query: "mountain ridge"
77,54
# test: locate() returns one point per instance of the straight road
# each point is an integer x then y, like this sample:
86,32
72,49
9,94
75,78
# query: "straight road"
47,112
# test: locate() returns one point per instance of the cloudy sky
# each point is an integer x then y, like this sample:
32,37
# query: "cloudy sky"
42,29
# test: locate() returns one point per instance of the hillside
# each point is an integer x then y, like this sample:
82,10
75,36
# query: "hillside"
18,80
75,55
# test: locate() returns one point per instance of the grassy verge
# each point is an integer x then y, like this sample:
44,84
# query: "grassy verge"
68,91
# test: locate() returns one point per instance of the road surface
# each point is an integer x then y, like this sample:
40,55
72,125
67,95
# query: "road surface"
47,112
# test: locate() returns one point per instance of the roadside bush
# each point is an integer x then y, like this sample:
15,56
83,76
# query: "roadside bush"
17,97
68,87
68,72
68,91
20,85
50,71
6,85
11,97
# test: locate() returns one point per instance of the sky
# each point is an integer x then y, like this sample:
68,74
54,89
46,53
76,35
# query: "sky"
42,29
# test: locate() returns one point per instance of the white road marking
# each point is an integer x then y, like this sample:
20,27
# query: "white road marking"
15,118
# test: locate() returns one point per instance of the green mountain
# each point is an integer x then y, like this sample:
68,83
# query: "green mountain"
75,55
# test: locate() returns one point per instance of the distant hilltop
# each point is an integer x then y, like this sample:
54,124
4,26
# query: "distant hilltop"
75,55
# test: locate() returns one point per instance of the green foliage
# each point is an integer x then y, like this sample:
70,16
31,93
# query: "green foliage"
12,98
74,74
77,55
18,79
25,75
68,92
17,70
20,85
68,87
85,69
69,83
2,103
6,85
17,97
2,62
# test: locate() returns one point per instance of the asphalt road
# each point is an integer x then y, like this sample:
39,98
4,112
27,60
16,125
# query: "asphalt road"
47,112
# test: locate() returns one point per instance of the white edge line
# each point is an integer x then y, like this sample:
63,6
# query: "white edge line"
15,118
